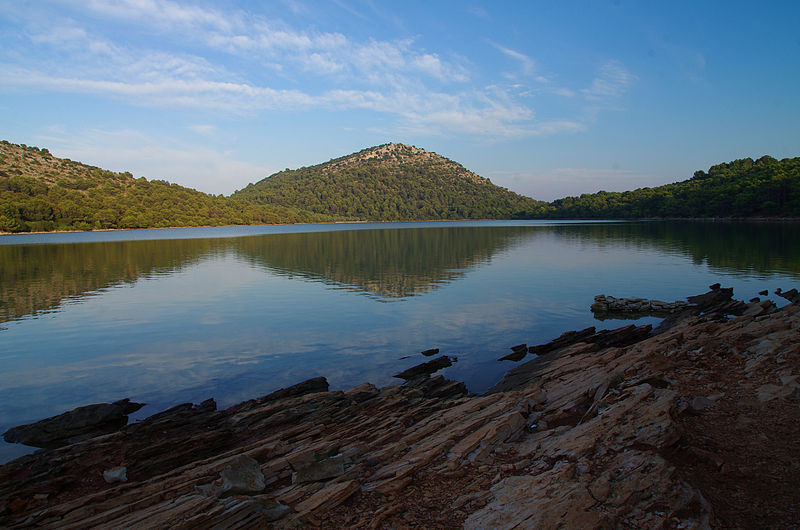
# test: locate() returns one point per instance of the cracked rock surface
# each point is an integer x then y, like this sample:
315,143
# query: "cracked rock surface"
692,425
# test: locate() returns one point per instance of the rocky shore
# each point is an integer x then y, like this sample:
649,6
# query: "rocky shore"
693,424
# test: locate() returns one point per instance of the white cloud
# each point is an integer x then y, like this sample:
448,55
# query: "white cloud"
527,64
192,165
612,81
557,183
203,128
426,92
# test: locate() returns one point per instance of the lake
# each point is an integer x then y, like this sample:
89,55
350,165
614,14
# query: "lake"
170,316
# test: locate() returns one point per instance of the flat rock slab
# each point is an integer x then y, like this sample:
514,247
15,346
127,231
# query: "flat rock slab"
425,368
76,425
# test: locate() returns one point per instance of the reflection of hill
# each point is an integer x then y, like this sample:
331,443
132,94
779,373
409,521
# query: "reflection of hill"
389,263
731,247
37,278
386,263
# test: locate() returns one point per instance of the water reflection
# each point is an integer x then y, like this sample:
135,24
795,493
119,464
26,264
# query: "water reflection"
387,263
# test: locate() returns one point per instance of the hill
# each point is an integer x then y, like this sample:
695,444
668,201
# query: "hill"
743,188
39,192
390,182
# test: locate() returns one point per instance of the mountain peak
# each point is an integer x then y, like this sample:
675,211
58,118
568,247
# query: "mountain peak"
392,181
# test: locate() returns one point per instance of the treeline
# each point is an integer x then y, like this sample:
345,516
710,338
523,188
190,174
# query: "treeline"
391,187
743,188
393,182
39,192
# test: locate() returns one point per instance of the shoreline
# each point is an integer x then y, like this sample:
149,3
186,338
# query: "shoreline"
693,423
612,219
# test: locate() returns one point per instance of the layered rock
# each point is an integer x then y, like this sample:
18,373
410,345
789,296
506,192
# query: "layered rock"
692,427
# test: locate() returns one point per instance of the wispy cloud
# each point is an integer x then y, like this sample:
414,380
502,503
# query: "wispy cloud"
527,64
184,163
301,69
612,81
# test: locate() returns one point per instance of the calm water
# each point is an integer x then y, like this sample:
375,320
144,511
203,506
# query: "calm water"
169,316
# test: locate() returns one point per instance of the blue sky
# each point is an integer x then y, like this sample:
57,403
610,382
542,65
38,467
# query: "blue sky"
546,98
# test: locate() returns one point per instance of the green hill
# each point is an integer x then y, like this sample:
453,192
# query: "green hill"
39,192
743,188
390,182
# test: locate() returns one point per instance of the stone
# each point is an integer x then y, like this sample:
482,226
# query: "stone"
244,476
362,392
426,368
320,470
699,404
516,355
430,352
329,497
116,474
76,425
565,339
792,295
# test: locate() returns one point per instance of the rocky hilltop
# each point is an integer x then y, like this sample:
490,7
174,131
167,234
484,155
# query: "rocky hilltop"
390,182
690,425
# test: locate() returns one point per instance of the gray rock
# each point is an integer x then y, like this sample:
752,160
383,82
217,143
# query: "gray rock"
79,424
321,470
699,404
243,477
116,474
425,368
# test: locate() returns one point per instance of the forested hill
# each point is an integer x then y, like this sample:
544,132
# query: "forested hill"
39,192
391,182
743,188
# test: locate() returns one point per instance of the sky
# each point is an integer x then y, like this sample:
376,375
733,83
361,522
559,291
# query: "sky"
546,98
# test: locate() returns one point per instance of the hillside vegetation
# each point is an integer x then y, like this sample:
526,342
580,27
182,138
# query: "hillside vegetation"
743,188
391,182
39,192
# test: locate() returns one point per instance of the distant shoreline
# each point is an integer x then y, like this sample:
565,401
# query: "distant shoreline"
693,219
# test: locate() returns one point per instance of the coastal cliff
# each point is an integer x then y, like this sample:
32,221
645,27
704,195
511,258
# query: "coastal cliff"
692,425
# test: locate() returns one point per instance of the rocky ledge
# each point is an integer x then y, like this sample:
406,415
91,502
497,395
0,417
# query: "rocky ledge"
691,425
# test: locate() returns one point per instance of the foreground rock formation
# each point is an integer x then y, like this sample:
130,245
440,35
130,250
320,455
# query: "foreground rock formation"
691,425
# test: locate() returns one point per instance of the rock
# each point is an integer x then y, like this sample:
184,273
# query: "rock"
764,292
517,353
699,404
244,476
791,295
76,425
116,474
321,470
362,392
565,339
432,351
426,368
714,287
624,336
514,356
329,497
309,386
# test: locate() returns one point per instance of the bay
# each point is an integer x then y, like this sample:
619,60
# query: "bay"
177,315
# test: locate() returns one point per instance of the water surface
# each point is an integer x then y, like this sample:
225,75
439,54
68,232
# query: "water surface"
169,316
